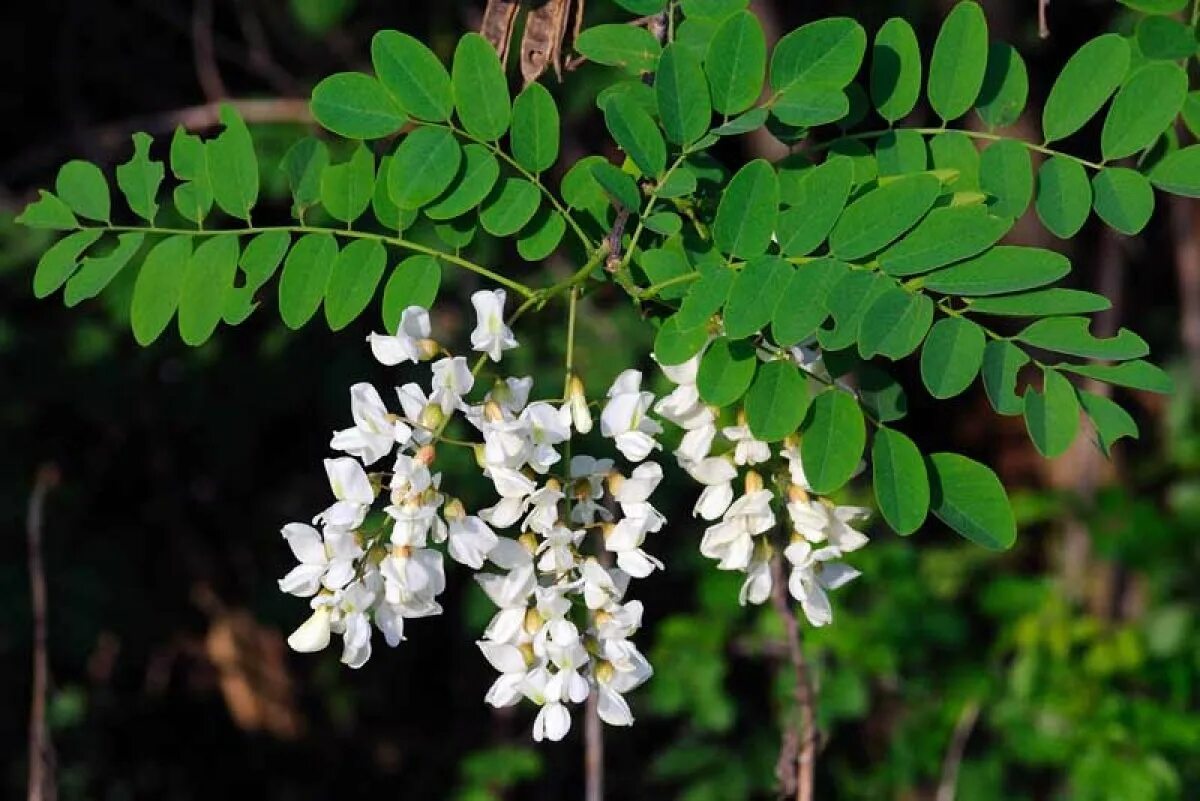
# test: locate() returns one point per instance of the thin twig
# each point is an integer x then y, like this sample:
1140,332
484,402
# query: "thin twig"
41,749
1043,24
205,54
593,750
613,262
954,754
796,768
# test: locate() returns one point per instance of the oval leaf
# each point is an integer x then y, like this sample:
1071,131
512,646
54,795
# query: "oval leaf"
832,442
969,498
900,479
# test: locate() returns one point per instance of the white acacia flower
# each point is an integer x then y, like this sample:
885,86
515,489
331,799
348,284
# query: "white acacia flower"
414,401
819,521
510,592
324,561
543,514
716,474
557,549
577,406
814,570
696,445
313,634
491,335
747,449
732,540
587,475
509,662
452,379
413,578
624,418
602,586
375,432
406,345
546,427
470,540
353,491
757,586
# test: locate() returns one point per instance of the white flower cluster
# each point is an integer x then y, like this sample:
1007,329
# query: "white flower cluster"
820,532
563,627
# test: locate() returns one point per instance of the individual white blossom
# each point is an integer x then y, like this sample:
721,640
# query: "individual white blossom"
411,342
625,420
325,560
375,431
814,571
491,335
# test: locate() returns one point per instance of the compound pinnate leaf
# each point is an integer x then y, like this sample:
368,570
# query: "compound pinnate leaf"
1052,415
736,63
139,179
356,106
1005,86
834,437
352,281
414,282
1002,362
681,93
207,281
233,166
61,261
755,295
952,356
746,216
1064,196
346,189
828,51
969,498
1089,78
637,134
81,185
632,47
896,70
1145,106
535,129
946,235
959,61
305,278
882,215
1123,198
1003,269
96,272
1071,335
413,75
900,479
777,401
480,88
425,164
158,288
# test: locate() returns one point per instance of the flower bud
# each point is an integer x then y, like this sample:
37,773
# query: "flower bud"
454,510
480,451
492,412
605,672
581,416
526,649
553,484
528,541
614,480
754,482
797,493
426,454
533,620
401,551
432,417
428,348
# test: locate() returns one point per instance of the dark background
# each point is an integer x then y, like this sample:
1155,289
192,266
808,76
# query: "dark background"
1069,666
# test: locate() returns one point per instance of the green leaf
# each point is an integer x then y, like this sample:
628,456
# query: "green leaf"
818,201
1108,418
1006,175
901,481
346,189
59,262
946,235
413,75
1156,6
681,91
642,7
706,295
865,168
158,288
208,279
746,215
802,305
896,70
1146,106
414,282
352,281
777,401
1052,416
139,179
1002,362
542,235
48,212
1123,198
82,187
959,61
952,356
1162,38
1064,196
736,63
455,234
664,264
847,303
895,324
833,441
630,47
96,272
752,120
386,211
900,152
1003,269
477,175
667,223
303,165
1071,335
881,395
1041,303
535,129
305,278
882,215
425,164
675,345
480,88
1085,83
808,105
189,162
637,134
711,9
828,51
1005,86
755,295
259,261
1179,172
356,106
969,498
511,205
618,185
726,371
1133,374
233,167
954,150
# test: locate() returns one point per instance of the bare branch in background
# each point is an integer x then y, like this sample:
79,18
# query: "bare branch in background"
1185,216
204,52
499,18
948,785
41,750
593,755
797,765
1043,23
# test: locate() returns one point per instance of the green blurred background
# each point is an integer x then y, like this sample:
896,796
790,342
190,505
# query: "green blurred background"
1068,668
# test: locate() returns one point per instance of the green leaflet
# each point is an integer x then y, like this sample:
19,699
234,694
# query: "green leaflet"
954,150
675,344
233,166
894,324
535,129
477,176
1165,39
882,215
388,214
736,63
1133,374
1052,415
802,306
746,216
637,134
189,162
815,205
1006,175
1071,335
356,106
834,437
896,70
1064,196
681,94
847,303
96,272
48,212
352,281
706,295
1040,303
414,282
1089,78
664,264
1144,107
726,371
1005,86
628,46
1123,198
881,395
959,61
901,152
755,295
158,288
711,9
260,259
59,262
305,277
1179,172
511,205
413,75
946,235
828,51
1002,362
542,235
208,278
1110,421
617,185
81,185
480,88
303,165
900,479
951,357
777,401
969,498
139,179
806,105
346,189
1003,269
425,164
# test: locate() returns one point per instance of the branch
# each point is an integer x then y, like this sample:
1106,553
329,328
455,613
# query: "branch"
797,763
1043,24
41,749
954,754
